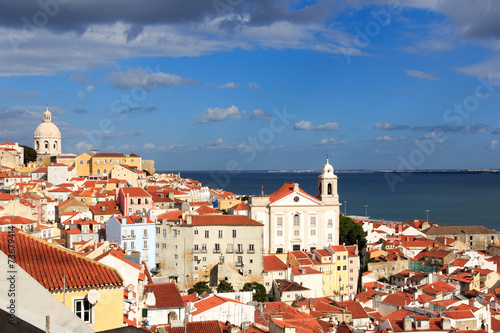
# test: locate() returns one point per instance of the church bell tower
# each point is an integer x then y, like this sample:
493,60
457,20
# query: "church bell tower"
327,185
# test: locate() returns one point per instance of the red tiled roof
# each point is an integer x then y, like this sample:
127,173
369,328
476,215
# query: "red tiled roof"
437,287
210,302
47,263
308,270
273,263
240,206
4,220
166,295
210,326
355,308
171,216
189,298
399,298
223,220
135,192
6,196
108,155
61,189
207,210
285,190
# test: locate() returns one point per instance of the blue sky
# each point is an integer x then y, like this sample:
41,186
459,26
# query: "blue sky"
204,85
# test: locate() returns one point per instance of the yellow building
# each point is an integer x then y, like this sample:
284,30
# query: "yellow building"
94,292
67,159
83,165
333,262
102,163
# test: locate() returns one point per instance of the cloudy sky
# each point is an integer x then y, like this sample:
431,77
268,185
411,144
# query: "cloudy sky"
261,84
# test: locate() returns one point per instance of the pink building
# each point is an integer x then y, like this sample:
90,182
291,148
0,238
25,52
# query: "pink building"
132,200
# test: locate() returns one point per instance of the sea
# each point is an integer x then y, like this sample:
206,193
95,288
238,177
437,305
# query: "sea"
454,198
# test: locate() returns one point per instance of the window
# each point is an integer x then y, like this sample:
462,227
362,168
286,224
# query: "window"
313,221
117,161
157,230
296,220
338,257
131,201
296,232
280,232
145,233
345,257
146,201
195,247
81,162
132,245
279,222
157,245
104,161
351,271
110,161
313,232
207,234
344,268
176,256
296,247
234,233
240,248
104,171
220,233
230,248
145,245
470,237
351,262
125,245
83,310
329,270
279,250
203,247
330,223
98,161
217,248
132,233
251,248
330,237
164,232
196,231
338,268
163,246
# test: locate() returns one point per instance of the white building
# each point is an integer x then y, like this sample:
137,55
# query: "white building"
133,233
295,220
59,173
47,138
222,309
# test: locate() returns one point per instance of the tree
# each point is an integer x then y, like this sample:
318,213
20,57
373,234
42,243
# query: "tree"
225,287
260,294
30,154
147,173
200,288
351,233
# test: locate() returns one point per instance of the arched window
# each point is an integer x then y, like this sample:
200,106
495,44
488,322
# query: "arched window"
296,220
98,171
329,188
46,144
38,145
104,171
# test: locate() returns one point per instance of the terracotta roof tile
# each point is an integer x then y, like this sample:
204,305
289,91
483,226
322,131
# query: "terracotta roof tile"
209,303
285,190
166,295
223,220
273,263
47,263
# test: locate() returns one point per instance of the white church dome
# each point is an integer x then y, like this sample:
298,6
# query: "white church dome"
327,169
47,129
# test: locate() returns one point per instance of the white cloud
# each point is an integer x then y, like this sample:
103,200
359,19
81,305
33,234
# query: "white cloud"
421,75
386,138
219,114
253,85
261,114
149,145
330,141
171,146
494,145
308,126
139,77
390,127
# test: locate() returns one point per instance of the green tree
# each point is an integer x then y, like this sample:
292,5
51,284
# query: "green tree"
225,287
351,233
260,294
30,154
200,288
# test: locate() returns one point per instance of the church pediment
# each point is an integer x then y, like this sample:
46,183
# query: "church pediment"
297,199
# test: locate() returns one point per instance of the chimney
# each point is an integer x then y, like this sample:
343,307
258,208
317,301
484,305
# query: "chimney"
124,220
407,324
189,219
295,187
93,152
445,324
144,219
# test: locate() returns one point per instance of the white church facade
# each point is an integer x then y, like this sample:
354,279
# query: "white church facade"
295,220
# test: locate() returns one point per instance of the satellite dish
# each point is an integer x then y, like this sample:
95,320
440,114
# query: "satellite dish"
93,297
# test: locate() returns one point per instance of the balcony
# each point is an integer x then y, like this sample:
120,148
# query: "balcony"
239,251
229,251
128,236
216,250
251,251
195,251
238,264
203,251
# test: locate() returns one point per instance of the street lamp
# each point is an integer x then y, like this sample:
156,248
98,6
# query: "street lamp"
366,211
345,208
427,211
